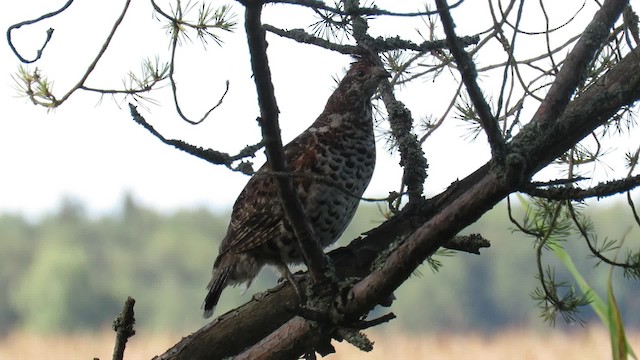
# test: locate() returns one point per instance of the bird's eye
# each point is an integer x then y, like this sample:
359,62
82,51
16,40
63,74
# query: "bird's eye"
360,73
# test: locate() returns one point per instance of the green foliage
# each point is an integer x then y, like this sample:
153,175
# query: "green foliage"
70,271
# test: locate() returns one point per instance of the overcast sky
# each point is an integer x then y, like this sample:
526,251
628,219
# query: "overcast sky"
91,150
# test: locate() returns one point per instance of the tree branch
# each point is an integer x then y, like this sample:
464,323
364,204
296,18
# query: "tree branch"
577,61
29,22
311,250
44,96
210,155
301,36
272,311
469,75
412,157
378,44
176,24
483,189
601,190
123,326
363,11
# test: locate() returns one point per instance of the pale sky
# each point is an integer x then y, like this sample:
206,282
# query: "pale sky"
91,150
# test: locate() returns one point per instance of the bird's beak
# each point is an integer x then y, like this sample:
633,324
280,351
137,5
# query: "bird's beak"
380,72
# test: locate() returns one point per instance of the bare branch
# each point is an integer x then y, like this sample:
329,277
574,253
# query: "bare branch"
578,60
212,156
601,190
103,49
363,11
312,253
176,23
303,37
469,74
29,22
123,326
412,156
51,100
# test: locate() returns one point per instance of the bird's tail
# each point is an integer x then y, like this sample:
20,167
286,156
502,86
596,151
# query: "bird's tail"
216,285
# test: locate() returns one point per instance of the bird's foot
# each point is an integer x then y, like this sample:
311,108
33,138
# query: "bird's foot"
293,279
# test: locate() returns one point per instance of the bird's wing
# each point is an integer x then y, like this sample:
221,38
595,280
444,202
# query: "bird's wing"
257,214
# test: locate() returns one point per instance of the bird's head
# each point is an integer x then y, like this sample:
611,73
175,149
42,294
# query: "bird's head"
358,85
363,79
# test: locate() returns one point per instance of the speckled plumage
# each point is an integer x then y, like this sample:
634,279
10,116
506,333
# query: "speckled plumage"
339,146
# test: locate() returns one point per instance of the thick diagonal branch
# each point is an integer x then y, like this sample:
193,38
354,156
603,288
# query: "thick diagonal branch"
483,189
577,62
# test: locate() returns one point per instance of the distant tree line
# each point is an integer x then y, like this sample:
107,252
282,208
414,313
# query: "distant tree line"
71,271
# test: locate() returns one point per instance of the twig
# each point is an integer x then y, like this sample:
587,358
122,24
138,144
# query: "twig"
412,157
378,44
471,243
103,49
469,75
364,11
29,22
303,37
52,101
176,23
603,189
584,233
212,156
123,326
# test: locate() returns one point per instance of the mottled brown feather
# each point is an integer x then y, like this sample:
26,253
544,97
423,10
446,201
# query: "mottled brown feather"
338,147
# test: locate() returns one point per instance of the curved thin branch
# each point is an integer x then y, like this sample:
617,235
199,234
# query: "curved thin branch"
29,22
553,303
175,33
510,60
547,30
593,250
438,123
51,101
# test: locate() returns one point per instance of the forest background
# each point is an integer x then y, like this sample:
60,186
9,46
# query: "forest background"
71,271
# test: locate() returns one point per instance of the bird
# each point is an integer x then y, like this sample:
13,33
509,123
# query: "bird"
332,162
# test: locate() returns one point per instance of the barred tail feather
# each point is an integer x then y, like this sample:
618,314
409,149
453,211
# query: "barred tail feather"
216,285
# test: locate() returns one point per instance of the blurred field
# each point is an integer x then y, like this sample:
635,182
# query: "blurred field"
514,344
